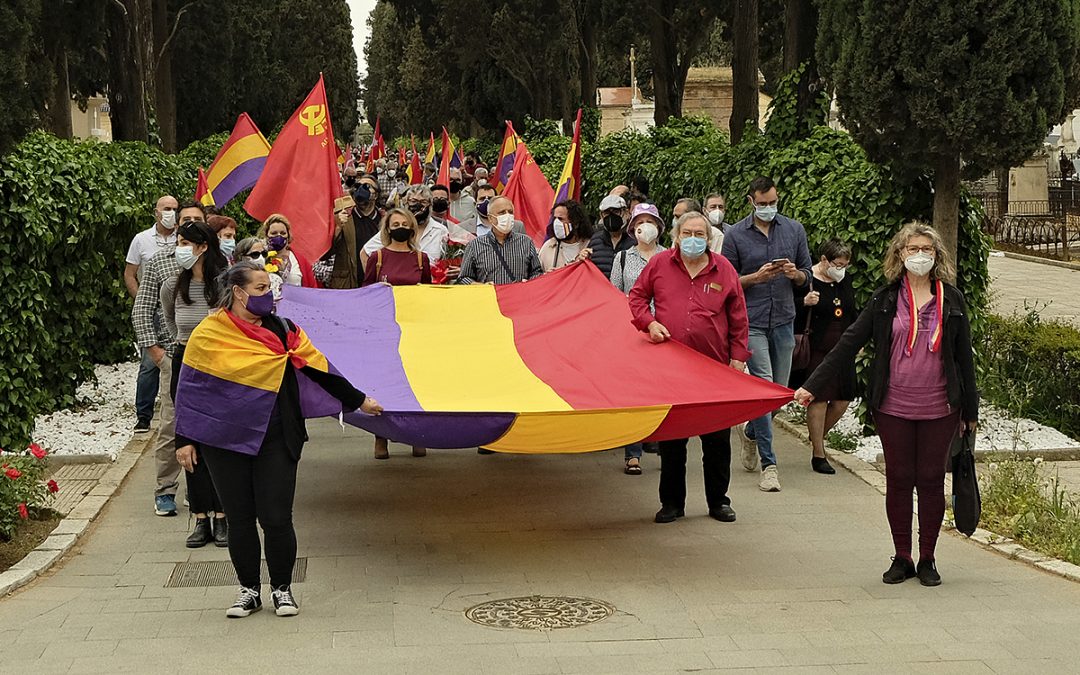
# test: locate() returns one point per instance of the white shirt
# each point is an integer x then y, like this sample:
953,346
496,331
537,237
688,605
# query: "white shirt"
146,243
431,241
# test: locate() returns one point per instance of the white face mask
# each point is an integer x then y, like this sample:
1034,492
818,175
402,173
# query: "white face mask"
391,173
260,261
561,230
168,219
835,273
185,257
504,223
646,233
919,264
716,216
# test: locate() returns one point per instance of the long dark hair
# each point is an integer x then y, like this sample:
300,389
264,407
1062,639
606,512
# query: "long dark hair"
578,219
213,262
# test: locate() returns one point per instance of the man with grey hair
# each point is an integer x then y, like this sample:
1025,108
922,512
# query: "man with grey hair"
667,303
688,204
431,234
502,256
383,177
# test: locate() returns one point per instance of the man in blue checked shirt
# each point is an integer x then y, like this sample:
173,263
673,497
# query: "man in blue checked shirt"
771,255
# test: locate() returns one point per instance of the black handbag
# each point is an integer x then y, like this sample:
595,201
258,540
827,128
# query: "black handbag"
800,356
966,501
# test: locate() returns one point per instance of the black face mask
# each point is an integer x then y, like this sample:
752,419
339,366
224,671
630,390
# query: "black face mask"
613,222
362,195
350,181
455,186
420,211
400,234
440,205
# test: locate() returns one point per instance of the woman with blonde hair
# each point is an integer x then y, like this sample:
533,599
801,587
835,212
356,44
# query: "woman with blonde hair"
922,386
290,266
399,262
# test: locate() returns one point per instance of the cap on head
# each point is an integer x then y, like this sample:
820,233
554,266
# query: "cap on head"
612,202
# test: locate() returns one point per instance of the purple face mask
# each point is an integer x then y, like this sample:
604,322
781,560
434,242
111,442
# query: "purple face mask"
277,243
260,305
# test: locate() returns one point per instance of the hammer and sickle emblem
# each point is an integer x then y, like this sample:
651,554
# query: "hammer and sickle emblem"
314,118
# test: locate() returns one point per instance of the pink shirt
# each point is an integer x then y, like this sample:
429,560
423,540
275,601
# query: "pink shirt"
917,382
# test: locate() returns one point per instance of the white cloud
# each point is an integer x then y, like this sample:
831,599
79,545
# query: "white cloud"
360,10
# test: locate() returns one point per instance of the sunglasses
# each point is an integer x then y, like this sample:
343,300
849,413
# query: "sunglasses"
254,254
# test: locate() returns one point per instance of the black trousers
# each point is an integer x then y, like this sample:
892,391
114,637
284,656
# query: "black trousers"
202,497
262,488
715,464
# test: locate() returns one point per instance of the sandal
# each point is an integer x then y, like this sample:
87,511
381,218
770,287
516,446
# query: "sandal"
632,469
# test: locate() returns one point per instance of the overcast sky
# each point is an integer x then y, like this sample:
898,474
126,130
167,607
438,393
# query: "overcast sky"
360,10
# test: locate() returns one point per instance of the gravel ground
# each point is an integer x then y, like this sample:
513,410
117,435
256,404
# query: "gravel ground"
997,430
101,424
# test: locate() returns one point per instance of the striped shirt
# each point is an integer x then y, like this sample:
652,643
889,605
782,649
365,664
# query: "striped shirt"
180,317
627,267
481,263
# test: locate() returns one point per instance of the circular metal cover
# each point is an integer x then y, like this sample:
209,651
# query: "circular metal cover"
539,612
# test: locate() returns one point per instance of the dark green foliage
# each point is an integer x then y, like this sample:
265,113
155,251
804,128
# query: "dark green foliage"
17,21
1032,369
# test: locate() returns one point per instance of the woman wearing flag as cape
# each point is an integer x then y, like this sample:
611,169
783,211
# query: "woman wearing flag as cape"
248,380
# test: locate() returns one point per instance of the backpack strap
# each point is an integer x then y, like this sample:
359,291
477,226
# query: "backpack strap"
378,264
420,261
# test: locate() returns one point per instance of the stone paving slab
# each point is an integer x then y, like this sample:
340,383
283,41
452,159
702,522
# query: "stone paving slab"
1016,285
399,549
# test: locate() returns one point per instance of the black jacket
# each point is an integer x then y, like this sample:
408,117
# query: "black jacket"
603,253
876,322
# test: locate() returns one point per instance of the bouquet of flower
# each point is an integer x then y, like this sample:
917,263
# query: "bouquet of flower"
452,253
22,487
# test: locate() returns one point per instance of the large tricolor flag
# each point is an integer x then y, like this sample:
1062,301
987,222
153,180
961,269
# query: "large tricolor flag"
528,393
505,163
569,185
531,194
301,179
239,162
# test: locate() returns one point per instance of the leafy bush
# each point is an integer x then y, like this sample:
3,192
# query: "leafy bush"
22,489
1021,502
1032,369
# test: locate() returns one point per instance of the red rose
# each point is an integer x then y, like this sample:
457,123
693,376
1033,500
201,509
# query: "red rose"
13,473
37,451
23,513
53,487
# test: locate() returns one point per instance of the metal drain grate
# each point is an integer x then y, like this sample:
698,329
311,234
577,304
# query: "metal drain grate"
539,612
204,574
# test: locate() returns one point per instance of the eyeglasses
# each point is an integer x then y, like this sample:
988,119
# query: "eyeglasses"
912,250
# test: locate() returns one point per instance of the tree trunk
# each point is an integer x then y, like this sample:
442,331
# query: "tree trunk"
947,200
588,53
165,93
59,111
744,68
127,91
667,98
800,34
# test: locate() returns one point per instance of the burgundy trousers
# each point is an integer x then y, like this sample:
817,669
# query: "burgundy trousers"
916,458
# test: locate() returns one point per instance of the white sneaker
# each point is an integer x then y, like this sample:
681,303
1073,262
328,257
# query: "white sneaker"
770,480
749,450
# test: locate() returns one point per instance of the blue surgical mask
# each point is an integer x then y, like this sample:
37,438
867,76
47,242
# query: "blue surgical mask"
186,257
228,246
765,214
692,247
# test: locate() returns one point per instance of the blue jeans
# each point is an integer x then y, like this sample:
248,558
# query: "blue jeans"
632,451
771,360
146,387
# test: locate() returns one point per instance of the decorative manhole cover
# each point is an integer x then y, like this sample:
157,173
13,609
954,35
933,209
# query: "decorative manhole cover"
539,612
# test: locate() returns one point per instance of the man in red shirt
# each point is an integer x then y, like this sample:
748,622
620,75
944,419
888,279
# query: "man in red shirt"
699,302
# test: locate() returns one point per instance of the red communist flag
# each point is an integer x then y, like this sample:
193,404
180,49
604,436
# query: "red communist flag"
531,194
300,179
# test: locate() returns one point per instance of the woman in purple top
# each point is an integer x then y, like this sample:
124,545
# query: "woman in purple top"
922,387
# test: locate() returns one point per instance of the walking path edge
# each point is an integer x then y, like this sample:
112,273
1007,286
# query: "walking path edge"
998,543
76,523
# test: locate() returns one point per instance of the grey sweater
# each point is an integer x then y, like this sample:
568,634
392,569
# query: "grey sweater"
180,317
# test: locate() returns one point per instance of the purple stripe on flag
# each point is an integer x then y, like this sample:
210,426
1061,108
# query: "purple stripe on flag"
564,193
505,167
358,333
436,430
241,178
314,400
220,413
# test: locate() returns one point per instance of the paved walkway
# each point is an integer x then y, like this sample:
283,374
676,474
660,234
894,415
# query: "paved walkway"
1016,282
397,550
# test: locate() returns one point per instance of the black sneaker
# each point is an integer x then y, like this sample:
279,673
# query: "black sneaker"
247,601
928,574
284,604
221,532
668,514
201,535
900,571
821,465
484,451
725,514
141,427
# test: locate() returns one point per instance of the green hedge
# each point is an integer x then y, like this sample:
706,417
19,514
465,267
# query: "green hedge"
1032,369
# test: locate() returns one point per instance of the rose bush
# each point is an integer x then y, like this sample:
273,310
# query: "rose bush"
22,489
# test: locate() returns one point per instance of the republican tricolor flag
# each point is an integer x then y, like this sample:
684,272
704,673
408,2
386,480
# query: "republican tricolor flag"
238,164
569,185
505,164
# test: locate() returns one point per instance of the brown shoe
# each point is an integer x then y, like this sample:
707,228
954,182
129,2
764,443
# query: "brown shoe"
382,451
419,452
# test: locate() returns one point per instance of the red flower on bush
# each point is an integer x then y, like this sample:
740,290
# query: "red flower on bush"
53,487
13,473
23,513
37,451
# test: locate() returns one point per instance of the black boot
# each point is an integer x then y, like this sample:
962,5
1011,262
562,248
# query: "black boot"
900,571
928,574
221,532
821,465
201,535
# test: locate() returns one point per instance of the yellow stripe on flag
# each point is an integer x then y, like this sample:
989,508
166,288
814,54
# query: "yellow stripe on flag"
249,147
218,348
579,431
490,377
